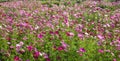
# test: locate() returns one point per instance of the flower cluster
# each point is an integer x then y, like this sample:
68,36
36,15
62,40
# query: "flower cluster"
89,31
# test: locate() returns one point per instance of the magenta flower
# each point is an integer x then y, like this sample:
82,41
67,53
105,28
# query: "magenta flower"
112,25
16,58
40,35
100,37
27,60
66,22
22,12
11,47
54,47
114,59
10,20
30,48
8,38
51,32
80,35
79,27
57,32
36,54
101,51
47,59
82,50
64,44
25,24
113,17
60,48
70,34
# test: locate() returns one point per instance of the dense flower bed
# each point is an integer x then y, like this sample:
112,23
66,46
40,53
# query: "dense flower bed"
32,31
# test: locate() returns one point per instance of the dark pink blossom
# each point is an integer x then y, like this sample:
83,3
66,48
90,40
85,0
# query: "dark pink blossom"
40,35
16,58
82,50
36,54
64,44
60,48
66,22
47,59
70,34
30,48
51,32
57,32
101,51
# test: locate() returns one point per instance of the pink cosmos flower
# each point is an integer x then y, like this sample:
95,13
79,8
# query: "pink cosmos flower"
36,54
25,38
64,44
25,24
100,37
66,22
80,35
70,34
30,48
57,32
40,35
101,51
60,48
22,12
114,59
21,43
18,46
16,58
10,20
51,32
82,50
11,47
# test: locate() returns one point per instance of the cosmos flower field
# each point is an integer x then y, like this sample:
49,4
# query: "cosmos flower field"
67,31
